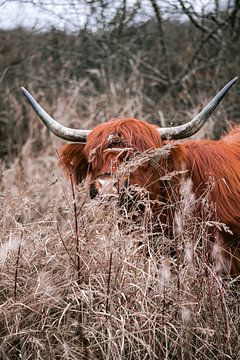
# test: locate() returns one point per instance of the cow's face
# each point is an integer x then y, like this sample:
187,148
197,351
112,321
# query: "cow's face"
98,158
105,175
109,149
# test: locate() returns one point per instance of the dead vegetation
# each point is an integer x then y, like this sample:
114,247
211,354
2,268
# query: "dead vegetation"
140,58
80,280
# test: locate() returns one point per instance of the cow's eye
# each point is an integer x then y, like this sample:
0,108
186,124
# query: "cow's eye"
127,157
93,191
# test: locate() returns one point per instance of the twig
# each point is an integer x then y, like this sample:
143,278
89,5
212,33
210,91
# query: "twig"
17,267
224,305
158,15
75,220
76,230
108,282
190,14
65,247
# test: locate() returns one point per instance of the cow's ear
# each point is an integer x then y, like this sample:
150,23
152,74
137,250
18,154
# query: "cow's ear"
174,158
177,156
74,162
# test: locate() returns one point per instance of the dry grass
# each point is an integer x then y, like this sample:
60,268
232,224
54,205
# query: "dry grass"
129,297
80,280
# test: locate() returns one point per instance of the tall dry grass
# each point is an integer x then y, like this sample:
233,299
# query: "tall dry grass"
82,280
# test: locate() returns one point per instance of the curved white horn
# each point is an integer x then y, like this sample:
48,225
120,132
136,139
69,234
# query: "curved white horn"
190,128
54,126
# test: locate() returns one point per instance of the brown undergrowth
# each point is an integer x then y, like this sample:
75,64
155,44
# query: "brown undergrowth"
81,280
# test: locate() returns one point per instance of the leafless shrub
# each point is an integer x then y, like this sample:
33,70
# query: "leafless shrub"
135,294
88,280
125,51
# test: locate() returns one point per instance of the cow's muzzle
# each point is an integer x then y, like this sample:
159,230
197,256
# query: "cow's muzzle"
104,186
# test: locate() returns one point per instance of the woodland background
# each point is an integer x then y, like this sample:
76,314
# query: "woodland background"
80,279
168,59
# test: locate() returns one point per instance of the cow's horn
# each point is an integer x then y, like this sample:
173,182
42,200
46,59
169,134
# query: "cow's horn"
186,130
54,126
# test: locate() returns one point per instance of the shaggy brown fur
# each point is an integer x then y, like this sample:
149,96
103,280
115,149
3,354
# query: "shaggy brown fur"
213,166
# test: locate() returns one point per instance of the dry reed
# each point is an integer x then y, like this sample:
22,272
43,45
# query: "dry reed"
81,280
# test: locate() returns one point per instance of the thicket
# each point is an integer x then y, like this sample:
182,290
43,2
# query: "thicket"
80,279
170,65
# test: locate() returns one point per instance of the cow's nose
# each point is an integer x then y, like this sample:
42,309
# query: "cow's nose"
106,186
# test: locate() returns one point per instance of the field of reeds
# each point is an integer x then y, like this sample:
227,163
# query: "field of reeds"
82,279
